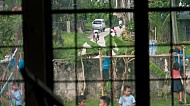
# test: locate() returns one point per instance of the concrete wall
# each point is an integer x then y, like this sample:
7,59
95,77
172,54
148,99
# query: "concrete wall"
65,78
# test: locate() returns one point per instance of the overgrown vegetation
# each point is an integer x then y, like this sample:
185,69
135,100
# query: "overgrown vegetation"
71,48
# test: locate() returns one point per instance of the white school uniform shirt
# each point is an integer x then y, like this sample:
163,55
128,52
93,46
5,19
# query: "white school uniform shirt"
126,100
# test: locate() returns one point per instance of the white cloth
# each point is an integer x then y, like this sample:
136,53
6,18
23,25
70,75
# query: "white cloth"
120,22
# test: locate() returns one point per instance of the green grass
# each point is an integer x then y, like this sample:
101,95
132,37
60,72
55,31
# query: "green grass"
70,41
153,102
166,102
165,49
88,103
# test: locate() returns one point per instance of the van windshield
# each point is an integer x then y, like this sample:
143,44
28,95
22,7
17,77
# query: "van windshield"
97,22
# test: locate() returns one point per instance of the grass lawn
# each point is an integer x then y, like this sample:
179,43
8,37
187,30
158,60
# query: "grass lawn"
153,102
88,103
165,49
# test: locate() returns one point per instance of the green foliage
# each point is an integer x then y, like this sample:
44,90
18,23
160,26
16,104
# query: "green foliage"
89,17
182,33
10,24
71,47
159,3
154,68
108,85
160,21
124,47
163,49
109,41
9,4
131,26
94,49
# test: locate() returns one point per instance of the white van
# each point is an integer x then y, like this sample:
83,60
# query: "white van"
99,24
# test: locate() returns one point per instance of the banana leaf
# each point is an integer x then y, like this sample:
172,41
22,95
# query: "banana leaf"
93,49
121,45
154,68
109,41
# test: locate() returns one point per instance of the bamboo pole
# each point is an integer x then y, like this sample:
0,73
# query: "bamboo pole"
174,23
84,83
100,60
155,34
133,56
6,84
184,75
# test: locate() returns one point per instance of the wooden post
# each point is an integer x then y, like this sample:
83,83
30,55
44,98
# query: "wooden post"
155,34
174,23
68,26
100,59
184,75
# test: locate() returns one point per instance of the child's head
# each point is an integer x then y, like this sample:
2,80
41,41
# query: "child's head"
81,100
104,101
108,53
14,86
127,90
176,66
177,50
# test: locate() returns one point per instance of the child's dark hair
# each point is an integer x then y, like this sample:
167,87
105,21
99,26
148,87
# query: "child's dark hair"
80,98
106,99
126,87
177,50
108,52
15,83
13,50
176,66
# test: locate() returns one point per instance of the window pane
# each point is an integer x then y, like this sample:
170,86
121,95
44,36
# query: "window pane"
10,5
159,3
11,30
11,57
168,38
84,4
77,55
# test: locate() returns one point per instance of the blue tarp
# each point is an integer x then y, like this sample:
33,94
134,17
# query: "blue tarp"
153,47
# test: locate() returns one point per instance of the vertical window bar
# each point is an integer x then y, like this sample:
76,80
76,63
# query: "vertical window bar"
110,49
141,53
76,48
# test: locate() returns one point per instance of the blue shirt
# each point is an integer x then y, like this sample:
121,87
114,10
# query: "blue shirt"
106,64
18,100
153,47
181,58
12,64
126,100
20,64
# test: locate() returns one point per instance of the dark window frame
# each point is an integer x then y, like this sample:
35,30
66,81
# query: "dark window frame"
140,11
